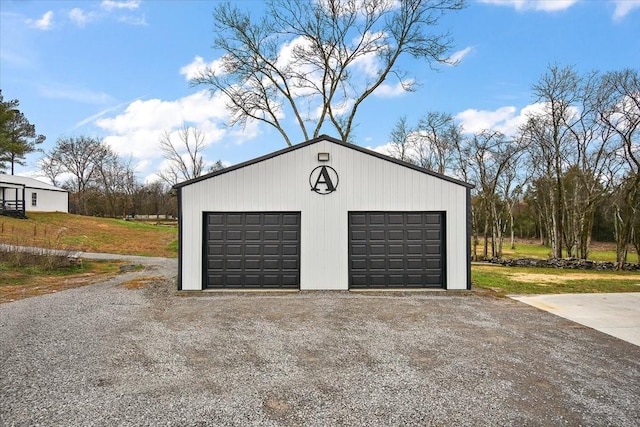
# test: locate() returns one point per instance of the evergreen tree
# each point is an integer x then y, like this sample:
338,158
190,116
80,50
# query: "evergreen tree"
17,136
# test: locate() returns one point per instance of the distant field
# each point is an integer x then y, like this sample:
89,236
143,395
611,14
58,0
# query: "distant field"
90,234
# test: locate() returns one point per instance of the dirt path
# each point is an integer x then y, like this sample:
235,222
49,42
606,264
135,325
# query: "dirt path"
134,272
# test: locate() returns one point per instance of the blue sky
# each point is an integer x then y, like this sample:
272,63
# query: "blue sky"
118,70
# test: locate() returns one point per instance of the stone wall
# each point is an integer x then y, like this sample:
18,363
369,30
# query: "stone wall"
568,263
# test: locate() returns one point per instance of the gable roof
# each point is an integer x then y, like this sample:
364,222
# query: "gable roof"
314,141
23,181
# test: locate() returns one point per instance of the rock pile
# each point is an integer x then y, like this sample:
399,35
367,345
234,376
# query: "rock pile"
568,263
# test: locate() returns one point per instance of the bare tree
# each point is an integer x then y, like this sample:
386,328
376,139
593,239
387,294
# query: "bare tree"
184,155
309,60
432,144
116,180
400,140
551,140
619,110
493,164
80,157
51,169
436,140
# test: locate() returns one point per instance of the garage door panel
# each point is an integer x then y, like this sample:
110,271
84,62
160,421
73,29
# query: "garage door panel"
377,235
413,219
252,264
253,219
414,234
290,236
413,249
290,280
272,250
433,264
359,280
233,264
289,249
357,219
252,250
272,235
393,280
395,219
432,234
290,265
234,249
396,264
376,219
358,264
216,249
215,219
216,236
272,264
415,264
215,264
359,235
272,219
234,235
291,219
378,280
378,264
396,235
433,219
396,249
377,249
358,249
252,236
234,219
432,249
414,279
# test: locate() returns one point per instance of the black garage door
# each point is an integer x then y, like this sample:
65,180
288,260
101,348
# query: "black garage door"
396,250
252,250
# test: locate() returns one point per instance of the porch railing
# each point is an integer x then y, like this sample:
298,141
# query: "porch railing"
12,208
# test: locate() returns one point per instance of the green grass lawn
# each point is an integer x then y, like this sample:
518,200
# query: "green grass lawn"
532,280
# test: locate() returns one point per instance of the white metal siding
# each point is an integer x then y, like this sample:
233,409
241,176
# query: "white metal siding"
366,183
48,201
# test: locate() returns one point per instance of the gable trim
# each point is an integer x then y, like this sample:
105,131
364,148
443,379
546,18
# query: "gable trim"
313,141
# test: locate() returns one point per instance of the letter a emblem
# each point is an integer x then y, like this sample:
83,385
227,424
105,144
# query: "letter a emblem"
323,180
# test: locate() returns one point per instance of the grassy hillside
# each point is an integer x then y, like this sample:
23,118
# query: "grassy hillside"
90,234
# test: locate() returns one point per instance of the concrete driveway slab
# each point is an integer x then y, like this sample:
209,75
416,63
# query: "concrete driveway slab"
616,314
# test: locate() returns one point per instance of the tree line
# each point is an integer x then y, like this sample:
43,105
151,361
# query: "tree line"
571,169
103,183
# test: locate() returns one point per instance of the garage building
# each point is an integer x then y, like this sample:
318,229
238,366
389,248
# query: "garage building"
324,215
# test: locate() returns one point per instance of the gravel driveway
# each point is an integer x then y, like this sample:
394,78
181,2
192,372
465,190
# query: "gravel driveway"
108,355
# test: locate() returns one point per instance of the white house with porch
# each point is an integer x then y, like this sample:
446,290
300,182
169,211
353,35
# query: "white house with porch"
20,194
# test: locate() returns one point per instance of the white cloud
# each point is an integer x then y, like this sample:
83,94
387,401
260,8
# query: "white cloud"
458,56
43,23
73,93
390,91
538,5
140,21
624,7
137,130
505,119
79,17
127,4
197,66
